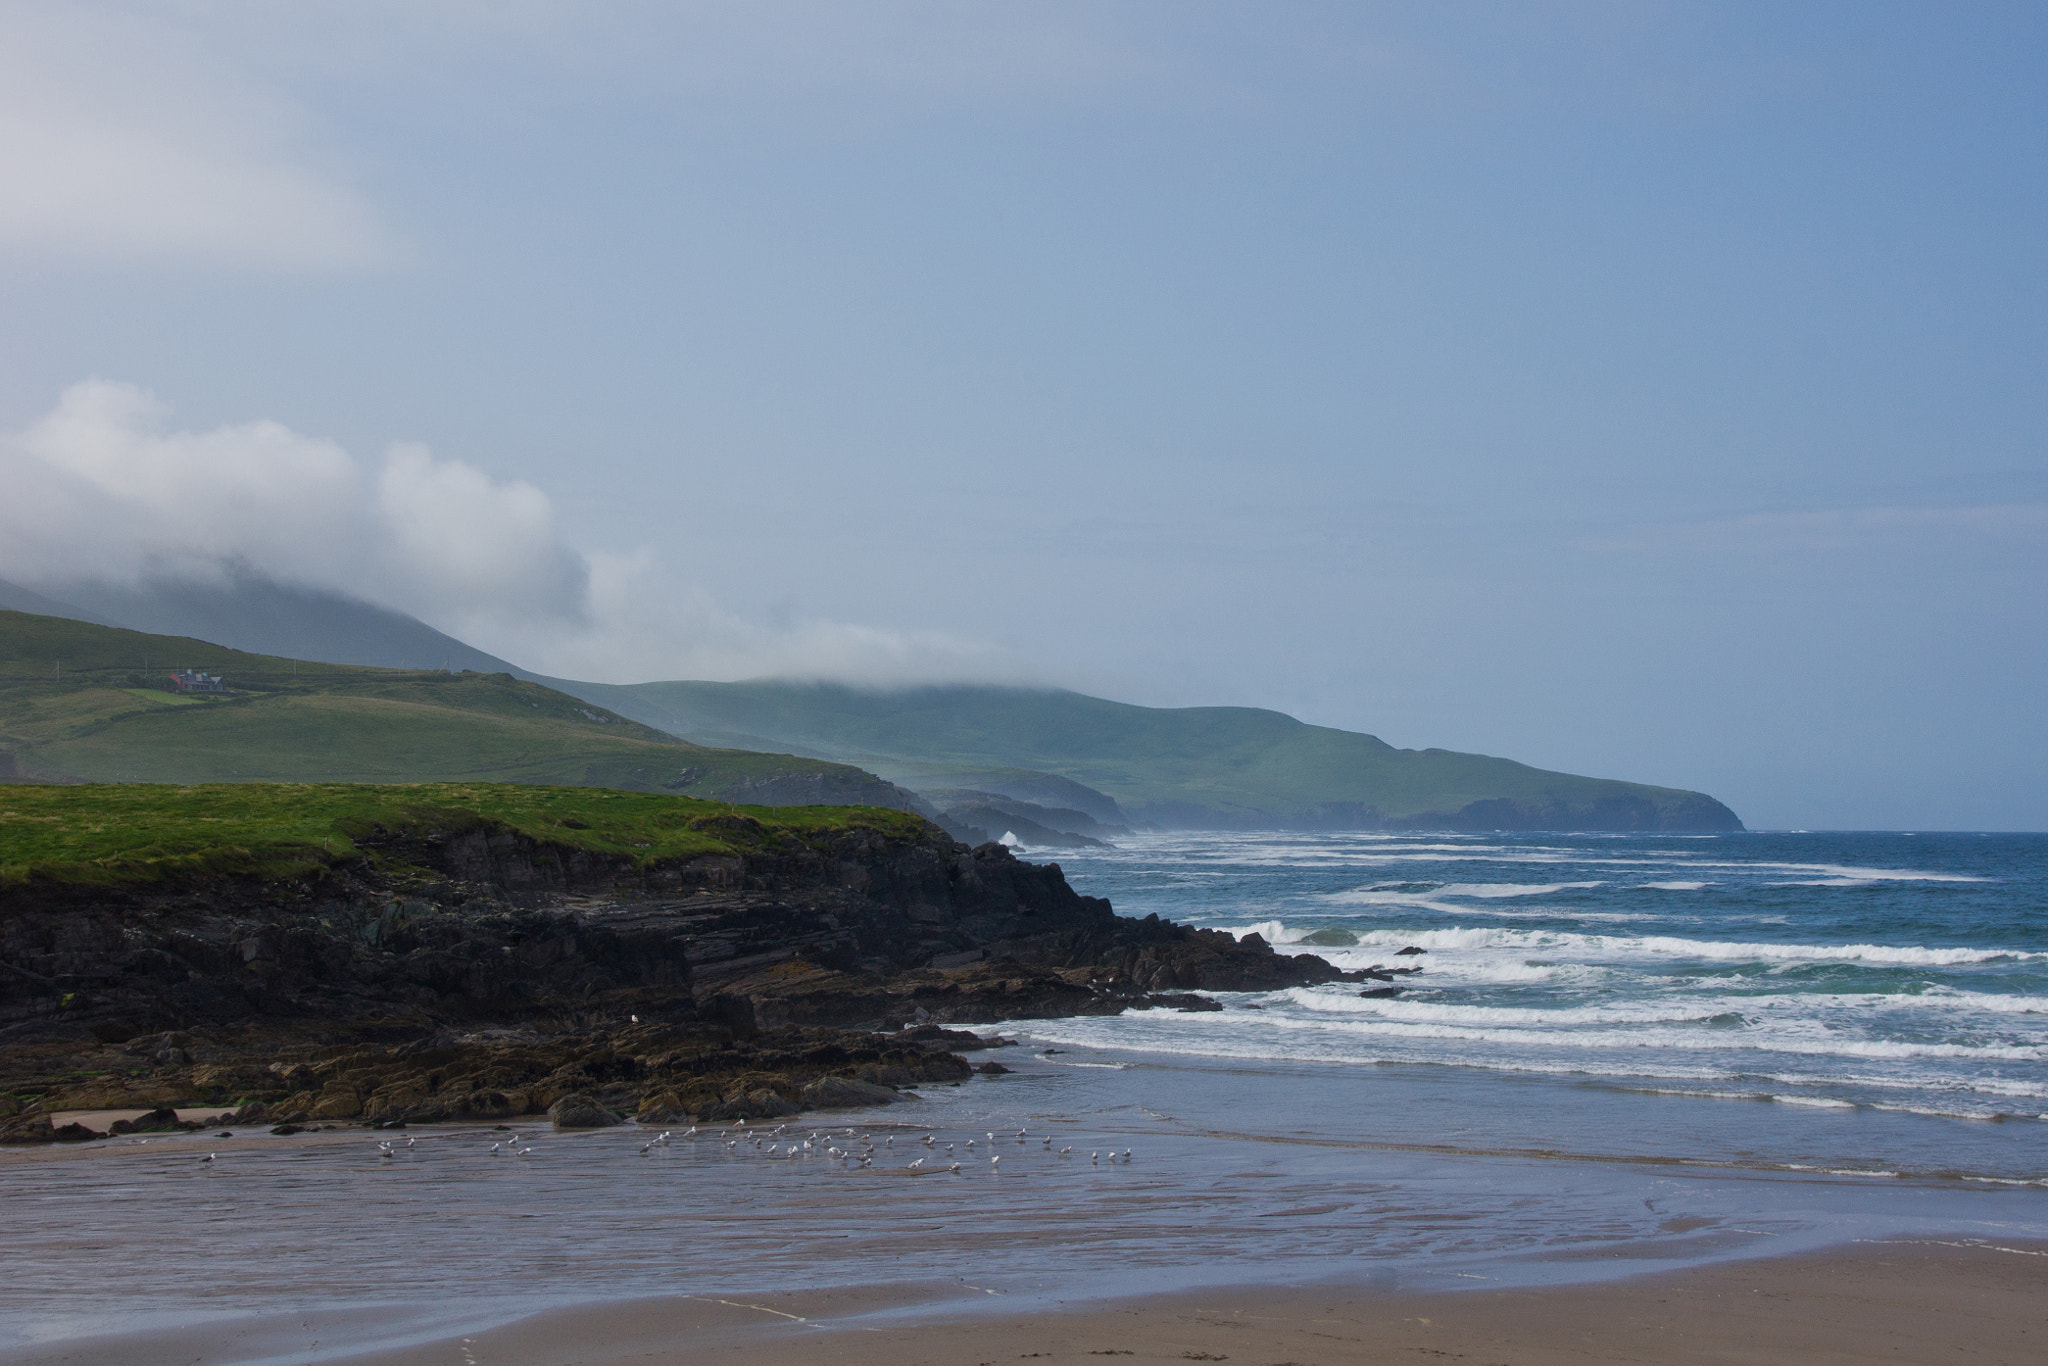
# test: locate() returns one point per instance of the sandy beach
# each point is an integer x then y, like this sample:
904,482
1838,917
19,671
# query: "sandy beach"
1921,1300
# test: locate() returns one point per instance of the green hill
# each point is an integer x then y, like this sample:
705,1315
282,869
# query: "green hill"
1188,767
82,702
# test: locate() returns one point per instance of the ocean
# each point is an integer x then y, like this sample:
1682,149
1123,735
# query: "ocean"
1872,974
1619,1054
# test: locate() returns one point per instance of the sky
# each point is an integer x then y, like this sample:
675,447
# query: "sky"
1648,390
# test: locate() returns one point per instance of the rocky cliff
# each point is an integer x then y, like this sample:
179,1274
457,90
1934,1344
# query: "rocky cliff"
485,972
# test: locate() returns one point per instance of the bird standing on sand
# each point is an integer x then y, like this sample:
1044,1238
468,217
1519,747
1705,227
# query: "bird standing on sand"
494,1150
915,1165
992,1163
954,1167
206,1159
1095,1157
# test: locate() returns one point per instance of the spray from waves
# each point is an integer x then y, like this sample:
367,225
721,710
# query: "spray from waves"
1656,947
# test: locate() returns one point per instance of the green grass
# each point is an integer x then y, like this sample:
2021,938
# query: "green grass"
112,834
93,703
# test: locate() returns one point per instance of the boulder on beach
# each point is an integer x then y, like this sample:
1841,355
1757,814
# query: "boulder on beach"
845,1093
581,1112
163,1119
759,1103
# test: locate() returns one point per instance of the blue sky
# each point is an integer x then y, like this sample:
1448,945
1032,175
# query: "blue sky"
1647,390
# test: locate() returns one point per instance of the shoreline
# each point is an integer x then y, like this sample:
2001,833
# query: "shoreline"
1918,1299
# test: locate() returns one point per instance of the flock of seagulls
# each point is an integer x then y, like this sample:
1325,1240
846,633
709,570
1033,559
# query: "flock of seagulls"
853,1149
844,1148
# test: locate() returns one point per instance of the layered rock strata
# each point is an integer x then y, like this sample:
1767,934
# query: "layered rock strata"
484,974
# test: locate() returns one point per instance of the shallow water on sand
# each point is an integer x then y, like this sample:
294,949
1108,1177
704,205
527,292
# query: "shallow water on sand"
1281,1174
1292,1137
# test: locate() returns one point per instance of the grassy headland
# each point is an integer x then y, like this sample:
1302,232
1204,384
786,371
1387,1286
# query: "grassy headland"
82,702
1214,767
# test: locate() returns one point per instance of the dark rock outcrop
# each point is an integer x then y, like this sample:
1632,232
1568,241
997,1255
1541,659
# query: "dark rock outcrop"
480,974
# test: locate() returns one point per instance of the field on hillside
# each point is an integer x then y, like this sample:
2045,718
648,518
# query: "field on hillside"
140,833
80,702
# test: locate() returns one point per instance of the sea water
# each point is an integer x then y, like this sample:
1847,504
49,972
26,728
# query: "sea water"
1621,1053
1886,973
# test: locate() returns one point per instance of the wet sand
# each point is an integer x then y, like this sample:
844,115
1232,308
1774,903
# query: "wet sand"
1913,1301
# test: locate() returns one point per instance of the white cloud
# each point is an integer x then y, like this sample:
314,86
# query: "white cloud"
643,624
100,490
121,139
473,542
107,493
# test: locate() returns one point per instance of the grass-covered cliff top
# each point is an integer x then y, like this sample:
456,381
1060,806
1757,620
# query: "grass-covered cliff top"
133,834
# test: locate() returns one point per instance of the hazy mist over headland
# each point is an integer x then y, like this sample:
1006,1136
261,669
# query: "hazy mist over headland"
1647,392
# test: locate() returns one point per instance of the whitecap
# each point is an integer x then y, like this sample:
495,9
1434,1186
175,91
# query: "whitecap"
1669,946
1506,889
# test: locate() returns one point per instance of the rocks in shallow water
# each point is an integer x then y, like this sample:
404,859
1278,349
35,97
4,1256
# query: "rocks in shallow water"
932,1038
1410,951
1175,1000
846,1093
992,1069
581,1112
1372,993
